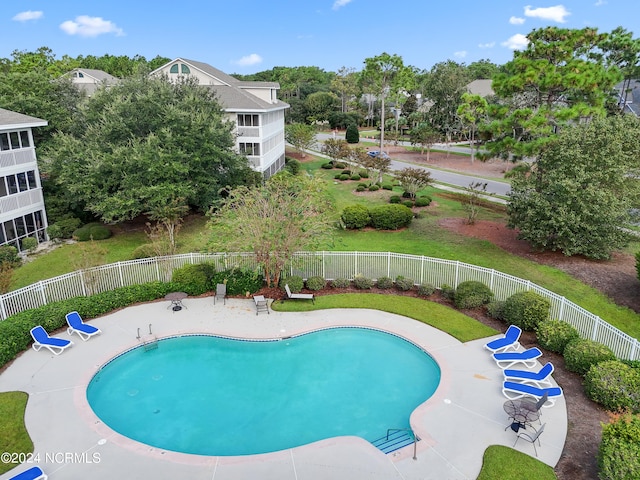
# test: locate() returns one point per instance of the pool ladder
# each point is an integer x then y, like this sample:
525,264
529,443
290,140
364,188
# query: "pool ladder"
149,342
396,439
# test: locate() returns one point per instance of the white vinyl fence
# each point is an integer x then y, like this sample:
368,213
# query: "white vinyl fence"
329,265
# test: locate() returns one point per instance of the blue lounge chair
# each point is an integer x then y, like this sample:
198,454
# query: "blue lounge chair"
34,473
514,390
510,340
76,325
539,379
42,339
509,359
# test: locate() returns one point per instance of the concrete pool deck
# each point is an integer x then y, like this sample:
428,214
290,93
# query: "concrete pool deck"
456,425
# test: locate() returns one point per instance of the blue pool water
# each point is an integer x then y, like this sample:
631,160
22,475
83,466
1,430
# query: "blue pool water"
209,395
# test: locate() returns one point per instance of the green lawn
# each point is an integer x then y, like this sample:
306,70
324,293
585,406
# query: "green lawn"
14,438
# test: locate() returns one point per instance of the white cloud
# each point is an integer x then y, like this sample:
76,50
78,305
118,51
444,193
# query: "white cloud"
516,20
556,13
516,42
460,54
86,26
340,3
599,3
249,60
487,45
28,15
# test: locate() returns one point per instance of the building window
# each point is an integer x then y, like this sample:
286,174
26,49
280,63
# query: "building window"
185,69
250,149
12,184
31,178
24,139
15,141
174,68
248,120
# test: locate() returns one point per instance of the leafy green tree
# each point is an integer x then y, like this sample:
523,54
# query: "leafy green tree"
580,195
425,136
301,136
482,69
146,141
413,180
336,149
345,84
380,79
286,215
352,135
472,112
561,77
319,105
444,86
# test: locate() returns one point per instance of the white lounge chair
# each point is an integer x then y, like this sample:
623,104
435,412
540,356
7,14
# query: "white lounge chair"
299,296
540,378
527,358
76,325
514,390
42,339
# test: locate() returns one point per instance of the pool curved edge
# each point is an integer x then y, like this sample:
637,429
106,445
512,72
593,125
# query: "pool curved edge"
402,327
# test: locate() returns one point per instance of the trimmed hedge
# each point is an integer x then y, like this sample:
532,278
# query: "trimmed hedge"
194,279
14,331
581,354
316,283
361,282
384,283
619,454
340,283
472,294
390,217
295,282
614,385
555,335
355,216
404,284
92,231
426,290
525,309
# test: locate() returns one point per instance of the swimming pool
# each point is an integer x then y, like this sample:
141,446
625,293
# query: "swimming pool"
212,395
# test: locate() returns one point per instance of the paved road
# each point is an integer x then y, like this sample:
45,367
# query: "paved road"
446,178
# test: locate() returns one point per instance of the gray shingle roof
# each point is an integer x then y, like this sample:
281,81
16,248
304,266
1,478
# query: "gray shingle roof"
9,119
98,75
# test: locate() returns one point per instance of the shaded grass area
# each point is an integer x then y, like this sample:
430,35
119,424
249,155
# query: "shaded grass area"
504,463
444,318
14,438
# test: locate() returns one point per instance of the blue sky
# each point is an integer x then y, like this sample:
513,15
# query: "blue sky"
255,35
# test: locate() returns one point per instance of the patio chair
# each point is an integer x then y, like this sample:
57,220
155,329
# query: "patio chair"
527,358
34,473
76,325
299,296
221,293
510,340
42,339
530,437
540,379
514,390
261,304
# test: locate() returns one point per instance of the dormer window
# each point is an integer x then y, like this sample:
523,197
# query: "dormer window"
174,68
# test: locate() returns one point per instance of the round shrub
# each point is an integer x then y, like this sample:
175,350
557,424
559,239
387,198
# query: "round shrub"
580,354
404,284
360,188
316,283
363,174
64,228
292,165
340,283
374,188
355,216
525,309
29,244
426,290
343,177
390,217
192,279
352,135
355,177
614,385
364,185
408,203
347,172
337,176
327,166
494,309
472,294
554,335
362,283
619,453
448,291
339,165
387,186
395,199
384,283
91,231
295,283
423,201
146,250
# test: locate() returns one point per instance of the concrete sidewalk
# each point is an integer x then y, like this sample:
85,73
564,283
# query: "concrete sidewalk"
456,425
